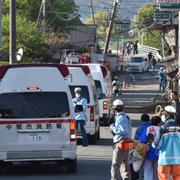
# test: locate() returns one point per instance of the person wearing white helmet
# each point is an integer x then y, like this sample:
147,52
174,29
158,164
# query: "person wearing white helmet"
116,86
169,146
121,130
80,107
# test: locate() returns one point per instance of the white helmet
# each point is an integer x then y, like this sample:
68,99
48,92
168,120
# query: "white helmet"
78,89
117,102
170,110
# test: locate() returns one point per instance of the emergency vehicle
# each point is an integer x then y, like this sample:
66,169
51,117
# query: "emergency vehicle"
36,115
80,77
102,78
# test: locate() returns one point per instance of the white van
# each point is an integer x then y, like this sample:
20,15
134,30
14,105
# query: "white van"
36,115
80,77
102,79
105,75
138,63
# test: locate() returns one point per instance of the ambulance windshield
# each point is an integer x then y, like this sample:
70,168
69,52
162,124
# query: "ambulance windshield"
34,105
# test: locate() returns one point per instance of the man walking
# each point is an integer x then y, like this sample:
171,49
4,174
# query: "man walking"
161,79
80,107
121,130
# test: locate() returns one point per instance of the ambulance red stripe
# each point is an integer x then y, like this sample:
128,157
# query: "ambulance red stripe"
35,121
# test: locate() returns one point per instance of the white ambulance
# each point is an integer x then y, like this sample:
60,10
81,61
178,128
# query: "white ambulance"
80,77
36,115
102,78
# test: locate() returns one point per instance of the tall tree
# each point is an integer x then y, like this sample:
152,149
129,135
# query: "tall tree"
102,22
151,38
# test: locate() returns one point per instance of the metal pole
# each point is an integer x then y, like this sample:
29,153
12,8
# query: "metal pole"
92,9
44,16
94,23
110,26
162,42
12,45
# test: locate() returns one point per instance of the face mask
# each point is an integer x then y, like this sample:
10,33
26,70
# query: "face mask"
77,95
163,118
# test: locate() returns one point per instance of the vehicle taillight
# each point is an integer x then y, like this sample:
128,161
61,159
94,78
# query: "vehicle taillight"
3,70
104,71
91,113
72,130
105,105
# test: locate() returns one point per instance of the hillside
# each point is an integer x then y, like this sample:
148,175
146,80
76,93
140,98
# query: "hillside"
128,8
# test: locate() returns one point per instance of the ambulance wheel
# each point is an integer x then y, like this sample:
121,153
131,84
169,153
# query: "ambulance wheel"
72,166
98,134
3,168
93,138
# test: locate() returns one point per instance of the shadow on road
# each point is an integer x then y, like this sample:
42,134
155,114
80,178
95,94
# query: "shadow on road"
87,170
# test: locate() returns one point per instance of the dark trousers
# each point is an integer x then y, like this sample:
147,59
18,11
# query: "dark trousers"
81,123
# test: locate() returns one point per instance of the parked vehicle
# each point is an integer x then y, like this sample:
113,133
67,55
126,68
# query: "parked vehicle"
138,63
105,74
80,77
101,79
34,125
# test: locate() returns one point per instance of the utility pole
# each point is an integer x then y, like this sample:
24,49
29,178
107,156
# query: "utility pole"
110,26
92,9
44,16
94,23
12,45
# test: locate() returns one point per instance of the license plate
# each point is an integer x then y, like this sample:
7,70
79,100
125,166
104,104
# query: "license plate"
34,137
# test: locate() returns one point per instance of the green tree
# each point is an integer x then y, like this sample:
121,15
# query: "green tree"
151,37
28,38
102,22
61,16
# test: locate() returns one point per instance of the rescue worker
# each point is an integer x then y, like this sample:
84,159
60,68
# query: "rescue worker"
116,86
169,146
121,129
80,107
161,79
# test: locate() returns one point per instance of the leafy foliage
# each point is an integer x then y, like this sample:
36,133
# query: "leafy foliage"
151,38
37,45
102,22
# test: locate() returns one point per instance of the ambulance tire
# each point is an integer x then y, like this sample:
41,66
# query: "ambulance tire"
93,138
98,134
106,122
72,166
3,168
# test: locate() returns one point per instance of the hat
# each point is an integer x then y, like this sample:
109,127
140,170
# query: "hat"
78,89
169,110
161,68
117,102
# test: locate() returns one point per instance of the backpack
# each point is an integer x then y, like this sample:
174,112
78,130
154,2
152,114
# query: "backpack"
151,135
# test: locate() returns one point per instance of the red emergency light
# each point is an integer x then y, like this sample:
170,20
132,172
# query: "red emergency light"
85,68
3,70
104,71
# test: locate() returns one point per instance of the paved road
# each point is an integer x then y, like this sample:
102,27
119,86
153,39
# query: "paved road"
94,161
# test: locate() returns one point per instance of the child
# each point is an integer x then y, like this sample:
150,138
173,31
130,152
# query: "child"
145,122
149,136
